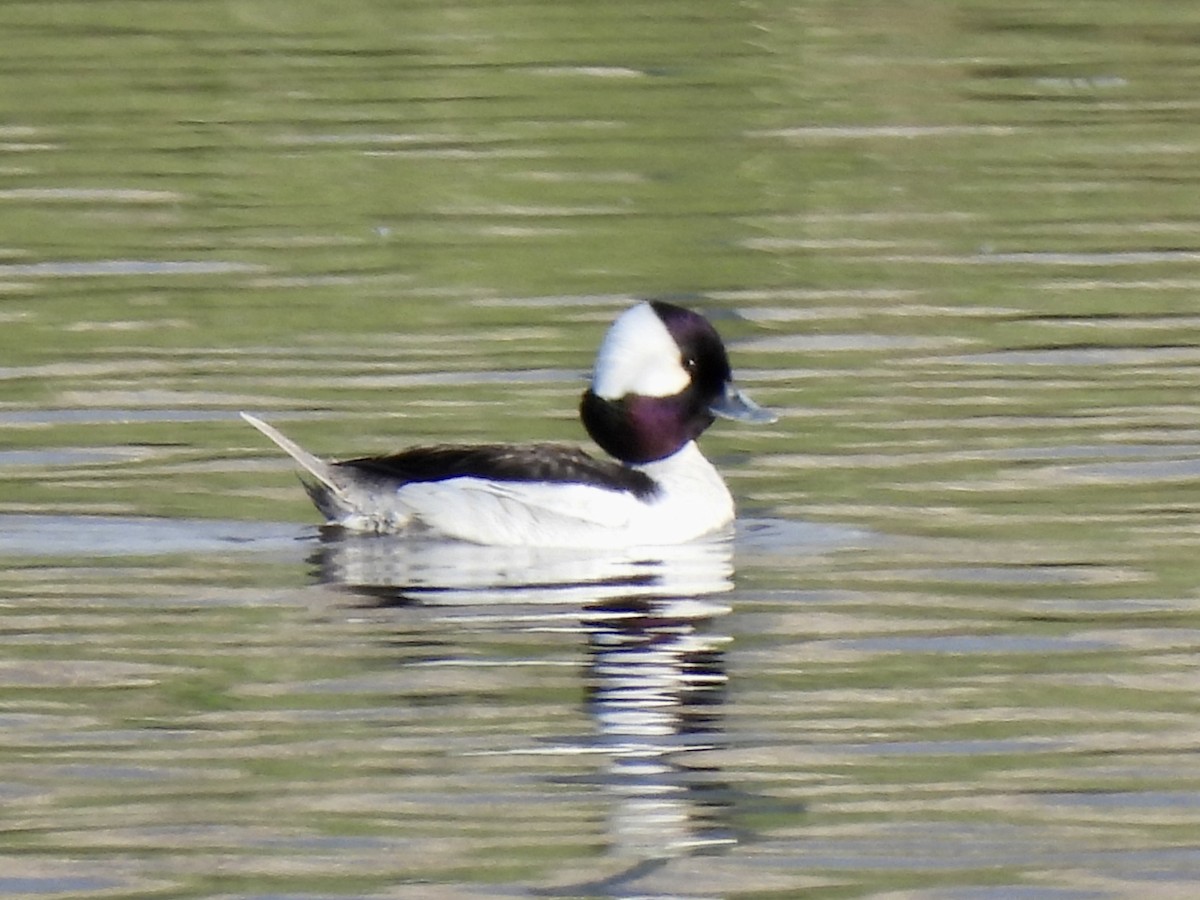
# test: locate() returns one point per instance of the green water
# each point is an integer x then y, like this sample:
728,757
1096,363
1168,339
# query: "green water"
951,653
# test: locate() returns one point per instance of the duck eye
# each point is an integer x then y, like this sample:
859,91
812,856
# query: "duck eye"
689,364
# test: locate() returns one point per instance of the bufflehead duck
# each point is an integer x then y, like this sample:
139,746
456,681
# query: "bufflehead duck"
661,377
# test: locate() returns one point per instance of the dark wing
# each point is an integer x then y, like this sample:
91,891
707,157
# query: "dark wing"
548,463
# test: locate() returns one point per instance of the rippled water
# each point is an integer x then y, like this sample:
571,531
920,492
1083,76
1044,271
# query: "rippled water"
950,651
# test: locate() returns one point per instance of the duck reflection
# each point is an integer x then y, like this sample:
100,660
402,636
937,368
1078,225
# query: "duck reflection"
655,682
655,672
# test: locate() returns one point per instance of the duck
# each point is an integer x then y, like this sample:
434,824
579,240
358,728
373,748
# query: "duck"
661,377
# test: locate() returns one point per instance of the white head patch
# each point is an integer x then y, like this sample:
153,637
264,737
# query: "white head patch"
638,356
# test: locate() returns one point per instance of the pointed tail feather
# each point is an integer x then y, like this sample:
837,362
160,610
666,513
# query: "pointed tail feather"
314,465
329,493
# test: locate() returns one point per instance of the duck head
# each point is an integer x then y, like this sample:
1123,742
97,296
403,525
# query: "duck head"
662,376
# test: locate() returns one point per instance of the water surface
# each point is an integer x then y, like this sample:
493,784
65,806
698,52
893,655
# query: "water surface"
949,651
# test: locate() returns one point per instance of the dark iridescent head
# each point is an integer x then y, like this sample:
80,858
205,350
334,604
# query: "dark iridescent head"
661,377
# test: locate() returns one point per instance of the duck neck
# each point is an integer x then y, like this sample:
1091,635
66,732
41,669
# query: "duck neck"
637,429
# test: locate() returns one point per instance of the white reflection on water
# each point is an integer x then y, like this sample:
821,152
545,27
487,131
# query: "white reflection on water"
655,674
445,572
656,683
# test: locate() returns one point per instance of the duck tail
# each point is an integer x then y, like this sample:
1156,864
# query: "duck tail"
328,493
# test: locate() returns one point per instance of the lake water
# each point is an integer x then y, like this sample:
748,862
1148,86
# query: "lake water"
951,652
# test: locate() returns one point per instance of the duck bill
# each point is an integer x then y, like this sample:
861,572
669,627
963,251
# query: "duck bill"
733,404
